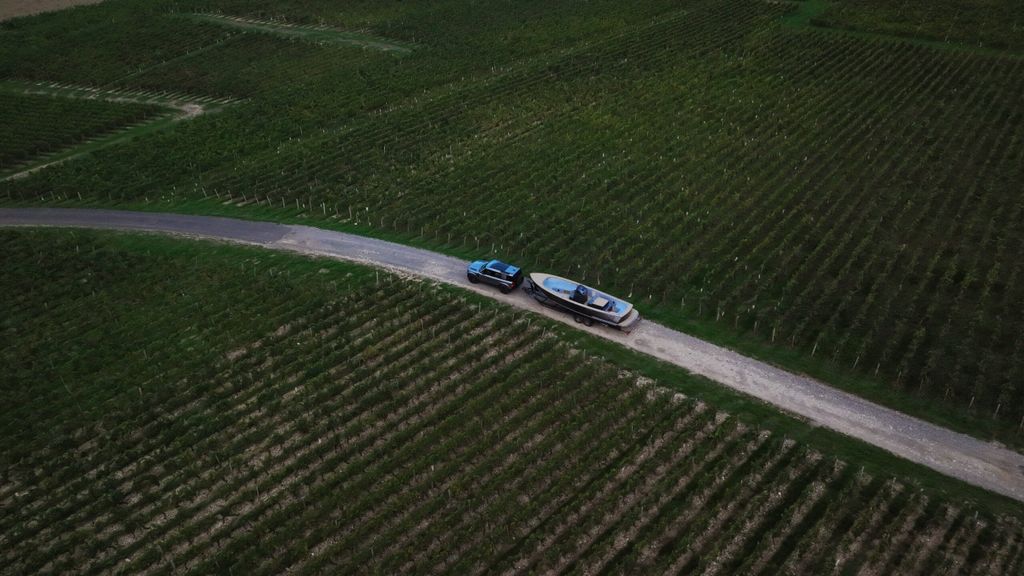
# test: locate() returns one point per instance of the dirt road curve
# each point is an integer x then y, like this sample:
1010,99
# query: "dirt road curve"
974,461
14,8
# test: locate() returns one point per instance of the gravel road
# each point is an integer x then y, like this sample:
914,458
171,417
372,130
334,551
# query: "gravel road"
974,461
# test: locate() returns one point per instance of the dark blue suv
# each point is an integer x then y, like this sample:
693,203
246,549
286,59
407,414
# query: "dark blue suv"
505,276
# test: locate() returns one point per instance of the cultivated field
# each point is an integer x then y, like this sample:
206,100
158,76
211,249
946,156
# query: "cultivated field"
178,406
847,204
46,123
996,24
35,125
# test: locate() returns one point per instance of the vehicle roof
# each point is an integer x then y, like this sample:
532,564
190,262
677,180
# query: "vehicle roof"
502,267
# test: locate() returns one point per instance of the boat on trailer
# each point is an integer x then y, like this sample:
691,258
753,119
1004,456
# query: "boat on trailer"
586,304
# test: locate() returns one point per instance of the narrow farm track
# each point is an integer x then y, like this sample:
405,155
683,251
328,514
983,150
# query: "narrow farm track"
954,454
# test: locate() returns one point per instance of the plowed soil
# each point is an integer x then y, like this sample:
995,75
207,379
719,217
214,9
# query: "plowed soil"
14,8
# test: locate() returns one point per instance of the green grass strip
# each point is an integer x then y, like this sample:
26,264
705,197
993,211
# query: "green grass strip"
318,34
808,13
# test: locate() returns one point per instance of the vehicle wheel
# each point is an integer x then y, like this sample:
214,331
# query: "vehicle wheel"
505,289
472,279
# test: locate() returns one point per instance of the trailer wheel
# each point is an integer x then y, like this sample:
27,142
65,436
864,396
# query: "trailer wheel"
588,321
